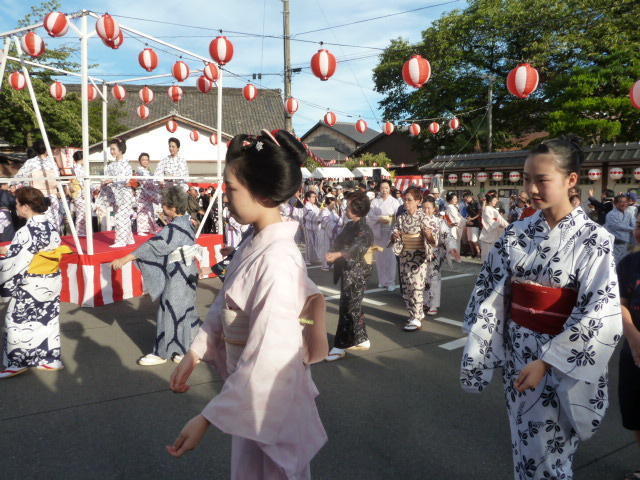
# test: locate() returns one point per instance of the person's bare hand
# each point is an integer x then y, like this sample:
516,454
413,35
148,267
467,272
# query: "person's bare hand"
531,375
226,250
333,256
634,345
590,192
190,436
182,373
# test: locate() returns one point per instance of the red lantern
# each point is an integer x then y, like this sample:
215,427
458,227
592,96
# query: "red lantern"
57,90
434,127
375,164
194,135
416,71
119,92
514,177
497,176
323,64
427,178
291,105
32,44
172,126
146,95
56,24
221,50
482,177
361,126
522,81
594,174
204,84
107,28
389,128
467,177
211,72
175,93
250,92
454,123
616,173
213,139
414,130
142,111
634,94
180,71
92,92
116,43
330,118
17,81
148,59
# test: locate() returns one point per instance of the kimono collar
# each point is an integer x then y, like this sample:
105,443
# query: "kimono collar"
570,220
41,218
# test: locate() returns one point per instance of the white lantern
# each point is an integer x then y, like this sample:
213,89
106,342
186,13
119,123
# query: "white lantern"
427,178
616,173
482,177
453,178
467,177
594,174
514,177
636,173
497,176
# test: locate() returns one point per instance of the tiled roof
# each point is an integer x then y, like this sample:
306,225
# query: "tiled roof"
346,129
327,153
238,114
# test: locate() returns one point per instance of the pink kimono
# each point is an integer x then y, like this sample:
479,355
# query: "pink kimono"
253,337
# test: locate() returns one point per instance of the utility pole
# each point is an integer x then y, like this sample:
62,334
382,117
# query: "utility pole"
490,114
288,125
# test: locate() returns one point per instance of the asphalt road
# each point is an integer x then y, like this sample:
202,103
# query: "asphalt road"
395,410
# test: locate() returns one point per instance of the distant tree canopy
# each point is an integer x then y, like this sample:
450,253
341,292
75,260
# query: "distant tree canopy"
586,52
62,119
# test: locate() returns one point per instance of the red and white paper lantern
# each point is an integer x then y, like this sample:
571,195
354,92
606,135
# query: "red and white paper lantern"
107,28
119,92
482,177
116,43
434,127
330,118
56,24
33,44
616,173
180,71
204,84
467,177
148,59
416,71
427,178
594,174
497,176
92,92
454,123
58,90
213,139
291,105
636,173
175,93
221,50
250,92
323,64
211,71
146,95
171,126
522,81
389,128
514,177
17,81
414,130
453,178
194,135
361,126
143,111
634,94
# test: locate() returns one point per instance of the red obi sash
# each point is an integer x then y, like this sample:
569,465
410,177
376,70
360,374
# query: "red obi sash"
527,212
541,309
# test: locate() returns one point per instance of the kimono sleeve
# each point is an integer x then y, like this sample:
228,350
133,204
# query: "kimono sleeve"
18,256
361,242
484,320
122,175
208,345
583,349
258,397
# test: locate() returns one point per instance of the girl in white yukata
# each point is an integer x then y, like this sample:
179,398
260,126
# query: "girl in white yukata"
457,221
122,195
30,280
381,217
493,225
148,197
311,226
77,194
546,310
254,333
173,166
329,225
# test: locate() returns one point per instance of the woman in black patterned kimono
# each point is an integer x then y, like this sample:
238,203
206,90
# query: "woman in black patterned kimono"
348,256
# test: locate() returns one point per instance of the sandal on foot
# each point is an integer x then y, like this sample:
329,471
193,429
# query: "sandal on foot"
366,345
12,372
150,359
335,354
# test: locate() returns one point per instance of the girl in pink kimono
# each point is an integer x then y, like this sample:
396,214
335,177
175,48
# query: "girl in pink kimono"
265,327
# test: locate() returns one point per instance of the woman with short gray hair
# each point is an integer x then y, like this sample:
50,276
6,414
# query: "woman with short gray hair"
168,265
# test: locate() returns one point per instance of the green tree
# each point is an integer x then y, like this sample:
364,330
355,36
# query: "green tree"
62,119
368,160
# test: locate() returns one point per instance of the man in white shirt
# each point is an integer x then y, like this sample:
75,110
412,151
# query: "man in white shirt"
620,223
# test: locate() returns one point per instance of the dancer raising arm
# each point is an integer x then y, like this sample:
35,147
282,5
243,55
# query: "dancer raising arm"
265,327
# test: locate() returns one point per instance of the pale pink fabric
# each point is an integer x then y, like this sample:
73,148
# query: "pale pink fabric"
269,398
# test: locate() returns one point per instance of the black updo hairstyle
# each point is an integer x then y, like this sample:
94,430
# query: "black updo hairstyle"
268,165
450,196
120,143
566,150
39,147
174,140
359,204
77,156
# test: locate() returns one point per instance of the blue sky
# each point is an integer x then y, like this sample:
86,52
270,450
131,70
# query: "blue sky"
350,90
